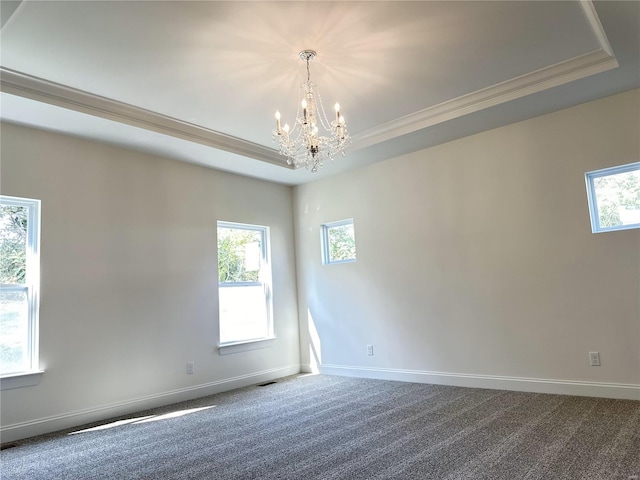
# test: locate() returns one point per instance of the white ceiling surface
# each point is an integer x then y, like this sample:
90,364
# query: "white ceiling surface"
200,81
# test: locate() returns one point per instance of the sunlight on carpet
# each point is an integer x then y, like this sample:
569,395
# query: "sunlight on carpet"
139,420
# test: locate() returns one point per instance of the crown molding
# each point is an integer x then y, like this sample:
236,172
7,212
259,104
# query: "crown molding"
28,86
533,82
39,89
589,10
576,68
599,60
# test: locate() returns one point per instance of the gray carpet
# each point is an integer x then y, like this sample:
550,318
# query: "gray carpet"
323,427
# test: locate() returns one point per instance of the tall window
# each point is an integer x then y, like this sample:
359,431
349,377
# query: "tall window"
244,276
20,279
614,198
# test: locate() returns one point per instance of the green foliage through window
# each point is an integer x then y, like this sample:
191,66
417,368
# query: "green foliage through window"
19,274
614,197
339,242
239,255
244,288
13,244
618,197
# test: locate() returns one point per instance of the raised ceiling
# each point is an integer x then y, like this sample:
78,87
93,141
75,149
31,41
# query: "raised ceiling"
200,81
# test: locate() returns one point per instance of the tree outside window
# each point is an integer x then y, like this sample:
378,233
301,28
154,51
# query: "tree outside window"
244,278
19,278
338,242
614,198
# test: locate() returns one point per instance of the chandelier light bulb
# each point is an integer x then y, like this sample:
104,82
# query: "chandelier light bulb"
278,121
286,127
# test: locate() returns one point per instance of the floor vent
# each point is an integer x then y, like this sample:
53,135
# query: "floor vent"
265,384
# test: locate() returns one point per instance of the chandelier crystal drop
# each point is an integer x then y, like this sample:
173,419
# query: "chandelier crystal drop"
313,139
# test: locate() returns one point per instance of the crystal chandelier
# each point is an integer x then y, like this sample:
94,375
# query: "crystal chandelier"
303,145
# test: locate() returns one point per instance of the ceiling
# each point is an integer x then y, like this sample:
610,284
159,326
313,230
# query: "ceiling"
200,81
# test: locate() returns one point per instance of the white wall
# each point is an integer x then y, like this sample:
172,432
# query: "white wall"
129,279
476,264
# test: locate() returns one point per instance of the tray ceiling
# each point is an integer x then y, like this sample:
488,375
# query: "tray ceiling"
200,81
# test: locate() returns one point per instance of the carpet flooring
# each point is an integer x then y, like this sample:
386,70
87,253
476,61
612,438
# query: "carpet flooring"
325,427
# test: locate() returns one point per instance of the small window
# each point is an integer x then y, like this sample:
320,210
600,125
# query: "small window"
20,279
244,277
614,198
338,242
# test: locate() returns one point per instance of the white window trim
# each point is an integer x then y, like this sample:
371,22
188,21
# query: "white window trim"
32,375
324,232
225,348
592,199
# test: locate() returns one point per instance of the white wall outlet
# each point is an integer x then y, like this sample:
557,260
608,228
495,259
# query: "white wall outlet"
369,349
594,359
190,367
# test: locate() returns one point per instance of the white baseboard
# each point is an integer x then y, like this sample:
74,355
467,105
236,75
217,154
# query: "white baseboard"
17,431
520,384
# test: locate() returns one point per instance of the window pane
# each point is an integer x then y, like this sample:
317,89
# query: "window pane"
14,331
618,199
244,282
342,243
13,244
239,255
243,313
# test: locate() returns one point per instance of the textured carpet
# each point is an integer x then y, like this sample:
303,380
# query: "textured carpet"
323,427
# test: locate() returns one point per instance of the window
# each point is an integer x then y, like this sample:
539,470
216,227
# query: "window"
614,198
244,277
20,279
338,242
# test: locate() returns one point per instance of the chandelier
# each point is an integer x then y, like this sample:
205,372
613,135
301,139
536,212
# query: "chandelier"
304,145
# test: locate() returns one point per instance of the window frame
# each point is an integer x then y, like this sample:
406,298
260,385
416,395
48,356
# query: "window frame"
593,201
31,375
226,347
324,232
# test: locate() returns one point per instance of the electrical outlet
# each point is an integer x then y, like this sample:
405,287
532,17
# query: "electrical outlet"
190,367
594,359
369,349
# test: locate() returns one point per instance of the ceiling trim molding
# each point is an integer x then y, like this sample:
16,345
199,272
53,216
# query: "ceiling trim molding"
9,10
600,60
589,10
34,88
533,82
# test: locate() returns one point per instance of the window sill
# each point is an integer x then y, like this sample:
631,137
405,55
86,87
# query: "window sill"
237,347
19,380
338,262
